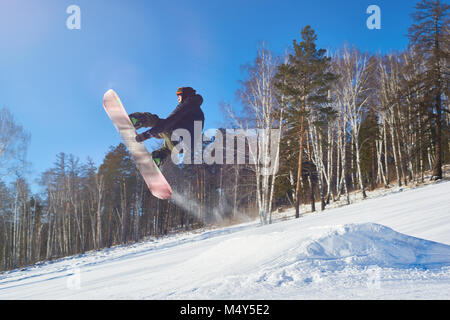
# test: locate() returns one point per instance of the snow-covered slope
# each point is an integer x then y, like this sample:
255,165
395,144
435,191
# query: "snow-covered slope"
391,247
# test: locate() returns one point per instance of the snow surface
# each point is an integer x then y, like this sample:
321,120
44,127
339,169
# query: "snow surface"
394,246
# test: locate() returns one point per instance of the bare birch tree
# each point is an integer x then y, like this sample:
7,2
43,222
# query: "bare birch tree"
259,98
13,144
352,87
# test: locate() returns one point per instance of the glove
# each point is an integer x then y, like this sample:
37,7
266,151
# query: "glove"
143,119
136,119
144,136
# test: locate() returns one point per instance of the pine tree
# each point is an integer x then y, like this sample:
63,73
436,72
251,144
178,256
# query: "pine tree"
304,81
119,174
430,36
368,135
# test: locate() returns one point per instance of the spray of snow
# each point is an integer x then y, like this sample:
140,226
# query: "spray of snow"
193,208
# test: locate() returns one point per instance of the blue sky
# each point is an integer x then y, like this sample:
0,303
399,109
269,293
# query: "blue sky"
53,79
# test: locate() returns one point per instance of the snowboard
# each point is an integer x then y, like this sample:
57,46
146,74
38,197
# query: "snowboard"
153,177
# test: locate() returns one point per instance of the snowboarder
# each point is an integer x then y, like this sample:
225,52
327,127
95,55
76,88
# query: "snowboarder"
187,111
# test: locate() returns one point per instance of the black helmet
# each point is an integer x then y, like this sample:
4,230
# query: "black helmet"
185,92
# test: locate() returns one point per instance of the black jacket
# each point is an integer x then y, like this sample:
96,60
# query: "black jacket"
183,116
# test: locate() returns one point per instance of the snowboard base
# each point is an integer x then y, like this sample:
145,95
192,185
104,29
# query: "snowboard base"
152,175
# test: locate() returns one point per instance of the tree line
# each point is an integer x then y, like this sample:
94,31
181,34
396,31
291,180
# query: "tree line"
84,207
351,120
348,121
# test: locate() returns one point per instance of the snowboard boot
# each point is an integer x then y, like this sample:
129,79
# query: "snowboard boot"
160,157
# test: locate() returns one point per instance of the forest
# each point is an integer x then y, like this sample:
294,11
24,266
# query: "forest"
349,121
